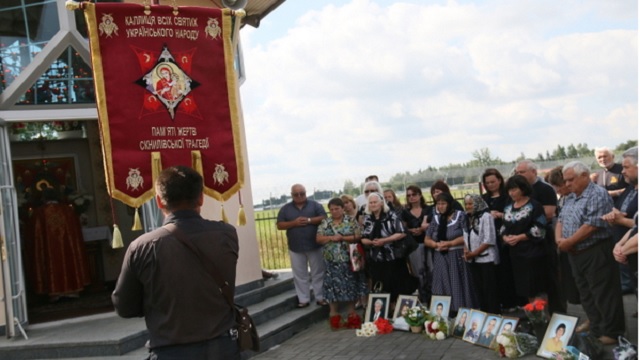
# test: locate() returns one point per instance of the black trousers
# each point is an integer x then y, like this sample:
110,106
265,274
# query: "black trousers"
222,347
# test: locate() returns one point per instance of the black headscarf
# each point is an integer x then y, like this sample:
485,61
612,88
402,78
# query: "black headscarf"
444,217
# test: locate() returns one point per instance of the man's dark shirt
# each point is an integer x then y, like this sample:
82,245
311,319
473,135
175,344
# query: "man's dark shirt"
165,282
630,207
611,179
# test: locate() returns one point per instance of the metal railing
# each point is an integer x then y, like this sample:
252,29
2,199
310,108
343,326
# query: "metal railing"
274,253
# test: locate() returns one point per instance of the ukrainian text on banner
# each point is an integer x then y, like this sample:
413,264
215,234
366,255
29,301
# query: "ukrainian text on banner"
167,95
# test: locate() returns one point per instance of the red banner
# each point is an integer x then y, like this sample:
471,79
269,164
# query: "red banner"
167,95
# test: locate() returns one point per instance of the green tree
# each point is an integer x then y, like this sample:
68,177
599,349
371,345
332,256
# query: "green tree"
350,188
626,145
572,151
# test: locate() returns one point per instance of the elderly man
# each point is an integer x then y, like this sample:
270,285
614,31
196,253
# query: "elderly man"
300,218
583,233
610,176
546,196
625,207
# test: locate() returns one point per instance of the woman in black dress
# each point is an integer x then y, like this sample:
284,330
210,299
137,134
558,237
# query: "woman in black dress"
497,198
523,229
381,228
416,216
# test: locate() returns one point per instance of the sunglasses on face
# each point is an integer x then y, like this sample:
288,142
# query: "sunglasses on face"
369,191
299,194
412,195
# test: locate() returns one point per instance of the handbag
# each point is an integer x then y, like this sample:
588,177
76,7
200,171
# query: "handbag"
405,246
625,350
247,332
356,257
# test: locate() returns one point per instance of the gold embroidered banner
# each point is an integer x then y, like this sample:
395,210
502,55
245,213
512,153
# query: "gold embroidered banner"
167,95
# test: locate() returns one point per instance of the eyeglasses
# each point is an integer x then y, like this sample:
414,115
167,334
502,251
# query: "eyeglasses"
412,195
302,193
369,191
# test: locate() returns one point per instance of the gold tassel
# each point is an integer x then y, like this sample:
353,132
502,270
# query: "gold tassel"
224,216
196,162
242,218
137,224
117,238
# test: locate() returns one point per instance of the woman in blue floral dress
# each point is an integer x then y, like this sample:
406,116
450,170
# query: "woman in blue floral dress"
340,283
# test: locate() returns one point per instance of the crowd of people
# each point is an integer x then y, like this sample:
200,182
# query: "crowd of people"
570,237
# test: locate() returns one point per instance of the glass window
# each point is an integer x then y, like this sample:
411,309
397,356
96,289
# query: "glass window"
24,31
53,130
67,81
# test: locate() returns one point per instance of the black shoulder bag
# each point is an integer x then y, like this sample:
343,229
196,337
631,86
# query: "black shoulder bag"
248,338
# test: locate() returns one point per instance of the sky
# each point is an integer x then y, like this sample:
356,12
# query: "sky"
338,90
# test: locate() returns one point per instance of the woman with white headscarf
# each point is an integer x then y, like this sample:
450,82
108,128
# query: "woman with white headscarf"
481,253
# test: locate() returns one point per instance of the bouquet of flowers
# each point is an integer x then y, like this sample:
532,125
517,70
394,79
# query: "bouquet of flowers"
416,316
437,328
514,345
537,311
367,329
563,355
384,326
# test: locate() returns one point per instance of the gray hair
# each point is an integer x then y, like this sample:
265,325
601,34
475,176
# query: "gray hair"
631,154
577,166
385,207
379,302
602,149
530,164
375,184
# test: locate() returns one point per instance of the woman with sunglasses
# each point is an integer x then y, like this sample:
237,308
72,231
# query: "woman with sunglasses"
416,216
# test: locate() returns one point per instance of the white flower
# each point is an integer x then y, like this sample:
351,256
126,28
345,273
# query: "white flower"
503,340
432,336
435,325
511,352
359,332
440,335
427,324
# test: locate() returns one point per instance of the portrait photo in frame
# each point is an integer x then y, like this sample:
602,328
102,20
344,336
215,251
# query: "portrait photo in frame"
440,306
377,307
474,326
460,325
489,330
558,334
404,303
508,324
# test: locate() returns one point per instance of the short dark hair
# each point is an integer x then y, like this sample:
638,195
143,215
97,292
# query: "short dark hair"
554,176
371,178
336,202
520,182
179,186
440,185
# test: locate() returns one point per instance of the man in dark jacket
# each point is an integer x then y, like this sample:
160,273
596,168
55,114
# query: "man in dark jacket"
166,282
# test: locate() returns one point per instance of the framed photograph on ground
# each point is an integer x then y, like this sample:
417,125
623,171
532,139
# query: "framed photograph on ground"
489,330
440,306
474,326
558,334
461,322
404,303
508,324
377,307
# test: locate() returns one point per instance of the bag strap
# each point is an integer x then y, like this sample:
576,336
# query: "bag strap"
223,286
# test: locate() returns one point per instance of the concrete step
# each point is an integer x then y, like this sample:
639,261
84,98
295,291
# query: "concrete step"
107,336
